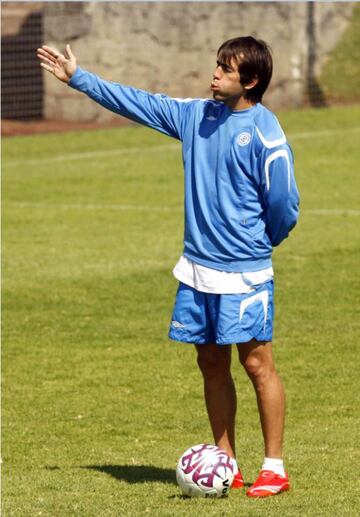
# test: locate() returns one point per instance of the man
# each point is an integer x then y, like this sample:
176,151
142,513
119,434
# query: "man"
240,201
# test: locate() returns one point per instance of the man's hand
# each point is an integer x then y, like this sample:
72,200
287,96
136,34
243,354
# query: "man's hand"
62,66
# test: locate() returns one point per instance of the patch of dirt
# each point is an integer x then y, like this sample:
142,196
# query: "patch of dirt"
31,127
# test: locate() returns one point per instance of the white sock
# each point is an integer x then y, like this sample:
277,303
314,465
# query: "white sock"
234,463
275,465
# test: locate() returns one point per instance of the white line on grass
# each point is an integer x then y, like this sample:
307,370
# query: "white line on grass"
155,208
319,134
96,154
90,206
331,211
155,149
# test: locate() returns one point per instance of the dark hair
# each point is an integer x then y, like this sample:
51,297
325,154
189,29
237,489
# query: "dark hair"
254,60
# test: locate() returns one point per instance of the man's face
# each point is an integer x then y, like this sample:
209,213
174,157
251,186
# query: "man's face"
225,85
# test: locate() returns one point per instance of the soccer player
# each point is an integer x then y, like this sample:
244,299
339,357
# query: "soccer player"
241,200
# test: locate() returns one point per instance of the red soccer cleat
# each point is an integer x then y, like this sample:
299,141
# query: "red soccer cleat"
238,481
268,483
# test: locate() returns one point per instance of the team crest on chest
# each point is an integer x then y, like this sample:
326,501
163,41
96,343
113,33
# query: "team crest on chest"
243,138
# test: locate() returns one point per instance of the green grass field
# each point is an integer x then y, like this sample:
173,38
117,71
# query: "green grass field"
97,403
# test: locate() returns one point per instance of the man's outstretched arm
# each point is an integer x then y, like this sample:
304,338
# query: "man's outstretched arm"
62,66
156,111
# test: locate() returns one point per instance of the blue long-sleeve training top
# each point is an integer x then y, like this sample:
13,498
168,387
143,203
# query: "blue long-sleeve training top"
241,197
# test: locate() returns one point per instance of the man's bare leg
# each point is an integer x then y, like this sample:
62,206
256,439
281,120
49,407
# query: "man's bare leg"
220,397
257,359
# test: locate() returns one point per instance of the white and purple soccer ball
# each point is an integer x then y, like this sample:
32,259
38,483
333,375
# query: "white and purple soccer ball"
205,471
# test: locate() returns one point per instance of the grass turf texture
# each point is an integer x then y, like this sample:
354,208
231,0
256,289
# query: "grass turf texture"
97,404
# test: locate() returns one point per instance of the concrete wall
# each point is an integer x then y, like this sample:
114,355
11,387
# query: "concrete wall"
14,14
170,47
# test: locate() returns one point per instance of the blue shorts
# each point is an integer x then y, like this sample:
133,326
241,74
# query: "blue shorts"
224,319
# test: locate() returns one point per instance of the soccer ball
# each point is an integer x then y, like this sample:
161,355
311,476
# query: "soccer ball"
205,471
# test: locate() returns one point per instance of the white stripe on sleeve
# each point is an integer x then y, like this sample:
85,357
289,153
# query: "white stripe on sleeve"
281,153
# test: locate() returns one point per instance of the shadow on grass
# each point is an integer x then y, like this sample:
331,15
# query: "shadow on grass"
136,473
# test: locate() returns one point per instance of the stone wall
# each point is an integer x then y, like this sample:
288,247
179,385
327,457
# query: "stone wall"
13,15
170,47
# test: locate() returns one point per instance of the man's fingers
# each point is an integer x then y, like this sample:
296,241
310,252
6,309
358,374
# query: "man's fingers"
60,65
68,52
43,54
53,52
47,67
46,60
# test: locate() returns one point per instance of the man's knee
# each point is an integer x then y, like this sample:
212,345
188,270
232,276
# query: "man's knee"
257,362
214,362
